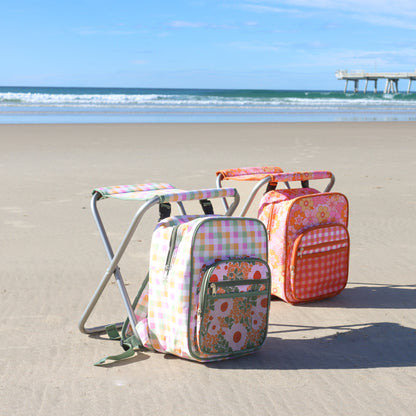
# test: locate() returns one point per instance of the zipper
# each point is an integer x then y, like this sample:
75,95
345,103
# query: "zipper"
169,257
269,222
314,251
214,286
212,289
301,250
320,254
212,292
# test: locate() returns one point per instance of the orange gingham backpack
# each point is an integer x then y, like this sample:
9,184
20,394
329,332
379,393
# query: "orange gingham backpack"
308,242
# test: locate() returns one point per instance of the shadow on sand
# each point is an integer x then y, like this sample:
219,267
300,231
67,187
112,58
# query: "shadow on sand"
370,346
364,345
371,296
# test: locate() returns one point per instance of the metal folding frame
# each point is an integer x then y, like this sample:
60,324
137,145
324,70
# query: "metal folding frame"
150,195
268,175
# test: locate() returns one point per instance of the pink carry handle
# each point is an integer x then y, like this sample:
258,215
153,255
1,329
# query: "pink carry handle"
275,174
270,175
301,176
249,174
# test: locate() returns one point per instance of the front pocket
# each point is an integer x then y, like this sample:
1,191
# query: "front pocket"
319,263
233,307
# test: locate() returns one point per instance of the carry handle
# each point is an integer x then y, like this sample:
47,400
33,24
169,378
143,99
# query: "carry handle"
276,174
304,177
271,176
248,174
162,191
199,194
142,188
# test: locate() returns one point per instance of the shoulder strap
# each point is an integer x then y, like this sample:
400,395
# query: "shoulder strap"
112,332
206,206
129,342
271,186
164,210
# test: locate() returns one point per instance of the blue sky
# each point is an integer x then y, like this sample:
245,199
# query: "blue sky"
271,44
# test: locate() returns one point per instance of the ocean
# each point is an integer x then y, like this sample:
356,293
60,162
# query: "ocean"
167,105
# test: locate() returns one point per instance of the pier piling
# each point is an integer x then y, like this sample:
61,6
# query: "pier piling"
392,80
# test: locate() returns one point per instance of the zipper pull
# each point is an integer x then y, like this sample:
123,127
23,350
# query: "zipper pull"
213,289
165,274
300,252
292,272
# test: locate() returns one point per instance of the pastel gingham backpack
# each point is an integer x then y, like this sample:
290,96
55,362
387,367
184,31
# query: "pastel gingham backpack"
208,290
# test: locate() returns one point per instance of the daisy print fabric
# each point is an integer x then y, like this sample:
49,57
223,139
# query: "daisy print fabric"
234,305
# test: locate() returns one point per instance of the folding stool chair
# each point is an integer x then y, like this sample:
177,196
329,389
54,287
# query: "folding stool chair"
307,231
150,194
270,176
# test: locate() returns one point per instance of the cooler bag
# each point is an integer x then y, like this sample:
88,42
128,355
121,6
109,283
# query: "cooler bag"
207,293
308,242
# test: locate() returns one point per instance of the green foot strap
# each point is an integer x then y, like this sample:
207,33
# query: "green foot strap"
112,332
126,354
130,343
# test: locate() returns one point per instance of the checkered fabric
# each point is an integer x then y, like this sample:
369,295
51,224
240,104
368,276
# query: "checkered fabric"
289,215
120,190
321,239
319,266
173,294
198,194
165,192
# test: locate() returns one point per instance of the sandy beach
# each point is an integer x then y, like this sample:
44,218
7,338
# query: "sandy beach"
354,354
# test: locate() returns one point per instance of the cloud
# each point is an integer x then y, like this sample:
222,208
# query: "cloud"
255,46
399,14
387,21
89,31
180,24
295,47
400,7
140,62
85,31
258,8
383,60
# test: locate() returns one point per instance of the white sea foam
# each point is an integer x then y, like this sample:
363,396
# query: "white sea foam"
308,102
40,99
